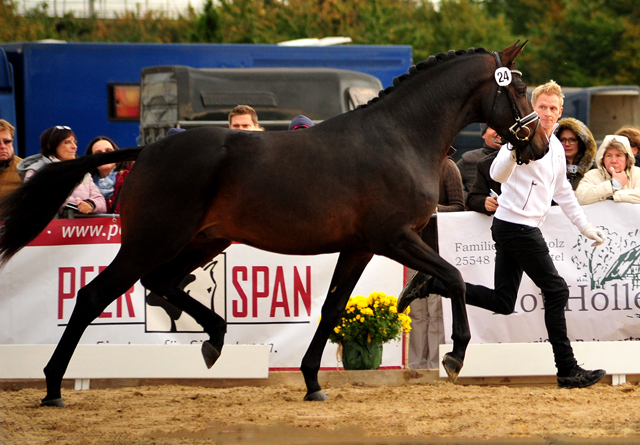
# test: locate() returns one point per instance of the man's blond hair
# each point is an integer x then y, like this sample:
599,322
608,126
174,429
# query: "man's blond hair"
4,125
244,109
551,88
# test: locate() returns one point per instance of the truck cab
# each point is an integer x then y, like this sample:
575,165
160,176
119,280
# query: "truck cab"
180,96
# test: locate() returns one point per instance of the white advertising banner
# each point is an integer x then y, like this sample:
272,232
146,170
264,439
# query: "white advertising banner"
604,281
266,298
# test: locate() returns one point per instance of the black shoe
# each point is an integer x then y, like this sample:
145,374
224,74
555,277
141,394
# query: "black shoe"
418,287
580,378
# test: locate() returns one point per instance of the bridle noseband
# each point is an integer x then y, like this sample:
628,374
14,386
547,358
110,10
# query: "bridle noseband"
520,122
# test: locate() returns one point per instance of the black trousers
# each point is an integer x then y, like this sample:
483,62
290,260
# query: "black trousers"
521,248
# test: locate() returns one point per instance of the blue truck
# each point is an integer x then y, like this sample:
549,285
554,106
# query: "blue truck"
95,87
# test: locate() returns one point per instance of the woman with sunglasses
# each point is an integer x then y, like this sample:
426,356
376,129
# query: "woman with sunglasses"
579,148
60,144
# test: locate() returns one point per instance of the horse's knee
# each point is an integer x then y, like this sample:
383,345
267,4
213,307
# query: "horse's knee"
456,285
88,303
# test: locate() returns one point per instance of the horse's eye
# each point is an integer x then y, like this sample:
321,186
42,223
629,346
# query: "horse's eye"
521,91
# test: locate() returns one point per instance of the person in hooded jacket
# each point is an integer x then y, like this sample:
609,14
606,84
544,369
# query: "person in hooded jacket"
579,148
615,178
60,144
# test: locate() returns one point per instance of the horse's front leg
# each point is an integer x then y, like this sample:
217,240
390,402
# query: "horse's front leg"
409,250
461,335
345,276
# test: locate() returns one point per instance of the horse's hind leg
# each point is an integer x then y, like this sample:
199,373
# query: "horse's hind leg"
91,301
165,279
345,277
412,252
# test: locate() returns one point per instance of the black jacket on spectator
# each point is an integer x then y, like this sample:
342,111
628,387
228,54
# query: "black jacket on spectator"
482,185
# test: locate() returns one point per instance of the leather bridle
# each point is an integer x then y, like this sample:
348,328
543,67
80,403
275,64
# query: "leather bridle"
521,122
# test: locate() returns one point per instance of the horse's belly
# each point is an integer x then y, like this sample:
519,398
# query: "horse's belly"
280,235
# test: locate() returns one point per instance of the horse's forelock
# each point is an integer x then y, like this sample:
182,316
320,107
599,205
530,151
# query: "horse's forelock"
422,66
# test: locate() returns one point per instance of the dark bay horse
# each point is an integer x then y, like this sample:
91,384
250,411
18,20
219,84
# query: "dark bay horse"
361,183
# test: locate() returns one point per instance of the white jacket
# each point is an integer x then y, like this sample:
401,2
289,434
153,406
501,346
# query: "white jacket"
527,190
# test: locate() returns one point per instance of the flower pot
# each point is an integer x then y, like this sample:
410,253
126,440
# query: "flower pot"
361,355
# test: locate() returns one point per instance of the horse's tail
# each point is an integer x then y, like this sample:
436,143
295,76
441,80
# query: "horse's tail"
27,211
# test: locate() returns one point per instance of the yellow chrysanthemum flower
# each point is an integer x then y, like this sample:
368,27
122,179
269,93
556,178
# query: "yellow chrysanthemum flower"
373,318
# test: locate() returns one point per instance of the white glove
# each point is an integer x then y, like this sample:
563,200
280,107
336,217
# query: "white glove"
594,234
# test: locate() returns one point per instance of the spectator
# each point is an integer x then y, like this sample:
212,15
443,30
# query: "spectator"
9,178
616,176
579,148
108,178
299,122
59,144
427,331
527,191
483,196
633,134
469,160
244,117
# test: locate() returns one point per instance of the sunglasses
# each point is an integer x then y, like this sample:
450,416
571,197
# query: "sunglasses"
55,129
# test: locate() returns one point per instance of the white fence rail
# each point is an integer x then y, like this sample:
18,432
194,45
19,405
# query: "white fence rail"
618,358
136,361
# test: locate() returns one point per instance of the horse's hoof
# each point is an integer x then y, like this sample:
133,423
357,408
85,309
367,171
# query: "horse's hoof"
317,396
210,354
58,403
453,366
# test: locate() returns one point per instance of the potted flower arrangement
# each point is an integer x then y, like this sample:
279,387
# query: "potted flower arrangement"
368,323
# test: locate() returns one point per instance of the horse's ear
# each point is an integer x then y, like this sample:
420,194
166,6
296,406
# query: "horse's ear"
509,54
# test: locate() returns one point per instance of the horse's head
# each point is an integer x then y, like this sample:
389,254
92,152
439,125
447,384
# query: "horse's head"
511,113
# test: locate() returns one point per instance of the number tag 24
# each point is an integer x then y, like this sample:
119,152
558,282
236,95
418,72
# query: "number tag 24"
503,76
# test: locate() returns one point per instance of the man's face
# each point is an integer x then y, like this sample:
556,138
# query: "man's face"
6,145
490,137
548,108
243,122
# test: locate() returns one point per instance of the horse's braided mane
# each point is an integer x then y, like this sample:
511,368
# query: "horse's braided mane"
426,64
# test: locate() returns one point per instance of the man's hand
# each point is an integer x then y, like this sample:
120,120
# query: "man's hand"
593,234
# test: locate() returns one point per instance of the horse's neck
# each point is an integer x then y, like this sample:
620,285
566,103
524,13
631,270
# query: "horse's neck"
434,107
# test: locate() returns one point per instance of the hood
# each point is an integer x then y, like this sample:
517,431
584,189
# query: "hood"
603,147
587,156
34,162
